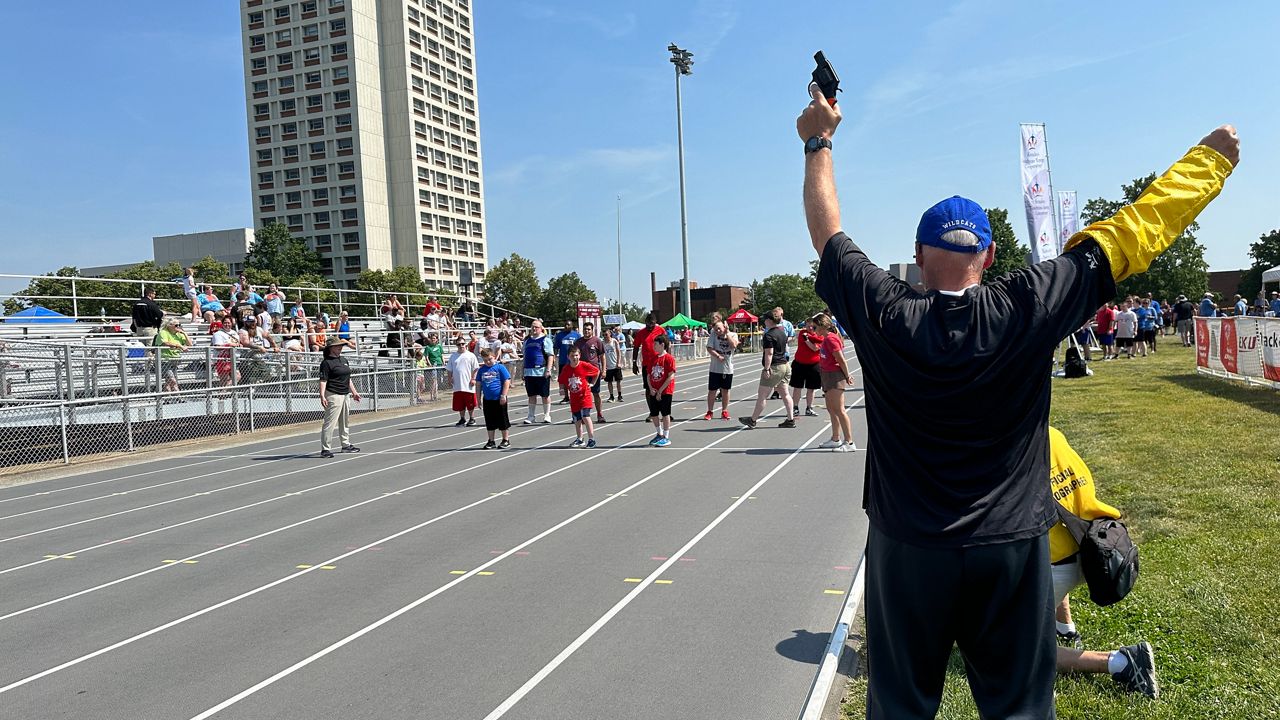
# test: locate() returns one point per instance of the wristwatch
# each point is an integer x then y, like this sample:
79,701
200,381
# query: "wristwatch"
816,143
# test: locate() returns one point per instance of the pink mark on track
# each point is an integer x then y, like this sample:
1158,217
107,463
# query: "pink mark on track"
843,567
688,560
656,557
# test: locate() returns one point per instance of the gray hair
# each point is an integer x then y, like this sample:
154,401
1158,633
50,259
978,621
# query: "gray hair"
960,238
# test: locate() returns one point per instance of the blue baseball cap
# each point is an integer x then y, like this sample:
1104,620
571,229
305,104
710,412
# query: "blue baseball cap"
954,213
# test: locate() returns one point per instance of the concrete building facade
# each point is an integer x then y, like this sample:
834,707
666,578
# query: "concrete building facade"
364,134
702,301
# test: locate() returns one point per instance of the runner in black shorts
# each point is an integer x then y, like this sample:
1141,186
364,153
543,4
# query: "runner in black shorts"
804,368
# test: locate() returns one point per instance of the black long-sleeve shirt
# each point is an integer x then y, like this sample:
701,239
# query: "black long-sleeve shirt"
147,313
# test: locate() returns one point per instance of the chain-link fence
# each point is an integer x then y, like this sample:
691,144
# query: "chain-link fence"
63,403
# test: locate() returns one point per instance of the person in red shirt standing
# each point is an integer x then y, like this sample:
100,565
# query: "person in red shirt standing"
834,372
592,351
662,385
1106,320
804,368
578,377
643,347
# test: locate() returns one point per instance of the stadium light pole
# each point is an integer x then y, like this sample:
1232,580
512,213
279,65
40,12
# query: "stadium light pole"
683,60
619,254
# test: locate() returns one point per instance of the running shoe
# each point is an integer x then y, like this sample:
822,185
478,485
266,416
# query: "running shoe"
610,398
1139,676
490,445
546,419
528,421
844,448
350,448
661,442
326,453
1070,640
707,416
619,398
788,423
830,444
809,412
471,422
504,444
724,414
655,439
460,423
591,443
600,418
749,422
577,442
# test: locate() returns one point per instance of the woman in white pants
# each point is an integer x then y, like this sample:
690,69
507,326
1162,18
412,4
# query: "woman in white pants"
337,390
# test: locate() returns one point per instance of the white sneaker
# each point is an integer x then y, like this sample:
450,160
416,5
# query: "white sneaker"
546,419
528,420
846,447
830,444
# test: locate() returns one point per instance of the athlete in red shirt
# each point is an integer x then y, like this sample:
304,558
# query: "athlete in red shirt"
661,386
578,377
642,346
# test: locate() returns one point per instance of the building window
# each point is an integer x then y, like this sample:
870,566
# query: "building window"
336,3
282,13
312,77
255,17
346,167
310,32
428,263
261,109
343,143
446,245
350,214
343,120
350,238
315,124
264,155
314,101
266,200
293,220
290,151
283,36
309,6
259,86
311,53
288,104
320,194
292,174
341,72
289,128
257,40
347,191
286,81
338,49
478,232
262,132
317,147
284,59
341,96
419,105
352,262
318,172
293,197
258,63
265,177
427,220
337,25
321,217
323,240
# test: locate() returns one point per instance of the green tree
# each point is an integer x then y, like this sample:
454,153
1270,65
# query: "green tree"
211,271
559,300
46,291
404,281
1179,270
632,311
1010,254
795,294
317,293
513,284
1266,255
278,252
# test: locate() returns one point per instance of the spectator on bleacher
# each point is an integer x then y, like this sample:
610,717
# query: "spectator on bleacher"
391,311
473,342
432,307
433,320
318,339
265,321
225,342
172,341
242,310
507,352
298,312
344,329
275,301
395,340
241,285
467,311
209,303
147,315
190,292
256,342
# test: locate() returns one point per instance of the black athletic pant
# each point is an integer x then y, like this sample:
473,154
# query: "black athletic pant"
994,601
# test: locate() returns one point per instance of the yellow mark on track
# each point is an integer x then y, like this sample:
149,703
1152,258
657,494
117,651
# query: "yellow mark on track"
457,572
58,557
656,582
832,592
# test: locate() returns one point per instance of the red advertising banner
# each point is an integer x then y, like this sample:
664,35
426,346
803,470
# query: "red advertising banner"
1202,342
1229,352
589,310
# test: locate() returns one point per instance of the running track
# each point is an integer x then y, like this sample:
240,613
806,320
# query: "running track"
426,578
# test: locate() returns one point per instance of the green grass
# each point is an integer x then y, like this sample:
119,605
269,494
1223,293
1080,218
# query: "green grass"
1194,464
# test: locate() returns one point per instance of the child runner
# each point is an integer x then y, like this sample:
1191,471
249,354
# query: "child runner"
662,385
834,372
493,382
462,366
578,377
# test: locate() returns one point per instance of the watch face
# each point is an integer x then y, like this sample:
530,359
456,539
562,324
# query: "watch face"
811,144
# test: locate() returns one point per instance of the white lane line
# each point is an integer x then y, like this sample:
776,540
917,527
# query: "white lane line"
442,589
591,457
816,701
262,502
672,558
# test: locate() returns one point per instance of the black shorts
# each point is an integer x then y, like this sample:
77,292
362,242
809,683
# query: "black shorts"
719,381
537,386
614,375
805,376
660,405
1124,342
1149,335
495,415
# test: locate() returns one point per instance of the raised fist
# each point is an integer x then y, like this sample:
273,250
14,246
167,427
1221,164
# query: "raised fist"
1224,140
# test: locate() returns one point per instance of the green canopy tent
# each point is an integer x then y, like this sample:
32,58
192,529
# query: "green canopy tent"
682,321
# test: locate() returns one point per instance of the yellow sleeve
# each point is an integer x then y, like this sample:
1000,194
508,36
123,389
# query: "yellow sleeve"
1136,235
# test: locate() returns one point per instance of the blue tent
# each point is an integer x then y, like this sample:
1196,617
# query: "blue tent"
38,314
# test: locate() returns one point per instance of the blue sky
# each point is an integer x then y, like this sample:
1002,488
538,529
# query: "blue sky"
136,128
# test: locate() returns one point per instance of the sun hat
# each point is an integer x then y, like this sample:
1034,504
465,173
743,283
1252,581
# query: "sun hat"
954,213
333,341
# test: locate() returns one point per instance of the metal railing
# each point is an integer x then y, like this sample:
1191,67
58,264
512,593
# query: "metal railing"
89,299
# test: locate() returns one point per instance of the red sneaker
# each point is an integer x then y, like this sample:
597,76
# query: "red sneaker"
723,415
707,416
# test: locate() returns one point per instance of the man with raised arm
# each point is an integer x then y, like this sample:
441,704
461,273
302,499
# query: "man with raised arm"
958,388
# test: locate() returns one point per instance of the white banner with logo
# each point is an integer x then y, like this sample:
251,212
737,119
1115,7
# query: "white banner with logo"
1068,217
1241,348
1037,193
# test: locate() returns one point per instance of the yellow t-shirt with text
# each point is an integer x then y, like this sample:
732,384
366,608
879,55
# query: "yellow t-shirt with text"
1073,488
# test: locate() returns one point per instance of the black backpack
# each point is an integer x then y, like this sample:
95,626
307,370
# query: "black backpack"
1108,556
1074,366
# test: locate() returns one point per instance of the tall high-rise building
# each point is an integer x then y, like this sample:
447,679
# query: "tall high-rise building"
364,133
